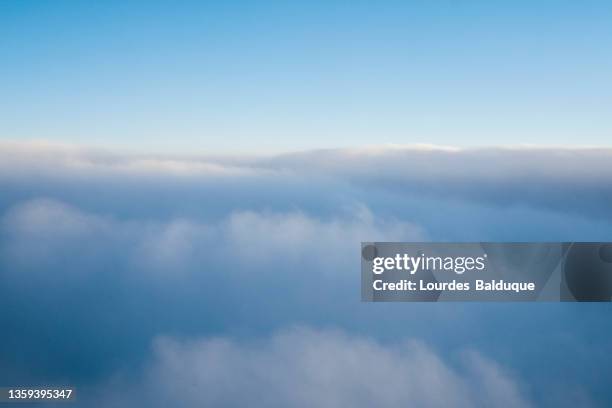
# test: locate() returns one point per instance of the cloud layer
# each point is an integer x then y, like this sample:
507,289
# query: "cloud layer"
574,181
103,252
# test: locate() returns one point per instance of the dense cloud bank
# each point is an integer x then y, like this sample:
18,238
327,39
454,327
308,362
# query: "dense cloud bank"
102,253
574,181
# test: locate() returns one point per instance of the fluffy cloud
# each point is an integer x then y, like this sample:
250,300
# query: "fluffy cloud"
43,230
302,367
101,252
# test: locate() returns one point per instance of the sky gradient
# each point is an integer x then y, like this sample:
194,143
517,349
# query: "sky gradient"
278,76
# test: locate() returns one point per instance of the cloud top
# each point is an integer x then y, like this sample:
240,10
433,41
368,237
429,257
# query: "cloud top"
303,367
552,179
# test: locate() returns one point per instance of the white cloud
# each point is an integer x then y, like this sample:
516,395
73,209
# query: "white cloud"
295,236
44,230
302,367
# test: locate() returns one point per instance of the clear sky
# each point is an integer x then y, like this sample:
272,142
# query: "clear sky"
240,76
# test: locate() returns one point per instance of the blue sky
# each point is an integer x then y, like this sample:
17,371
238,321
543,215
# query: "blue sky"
274,76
